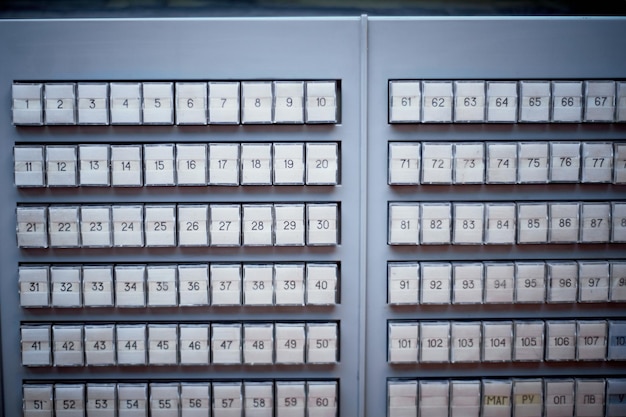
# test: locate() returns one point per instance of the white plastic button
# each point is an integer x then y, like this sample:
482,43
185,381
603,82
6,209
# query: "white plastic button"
132,400
288,164
322,398
34,286
259,399
258,343
195,399
500,223
533,162
61,165
289,284
322,282
258,225
100,345
403,283
36,342
321,102
591,340
68,345
191,103
499,282
161,282
467,285
530,282
95,226
97,285
191,164
619,164
468,223
289,224
131,344
527,397
289,102
322,163
590,398
127,225
620,115
535,101
496,397
322,342
403,224
617,336
290,343
595,222
405,102
564,222
224,102
465,398
501,163
101,400
436,283
469,163
469,101
223,164
126,166
227,399
28,166
436,163
162,344
599,101
502,101
567,101
158,103
593,281
528,345
158,162
437,101
403,342
93,103
434,342
322,224
434,398
532,221
69,400
436,223
404,163
160,225
193,225
225,229
194,344
32,227
164,400
125,102
256,164
256,106
597,162
497,342
465,342
565,161
226,343
563,282
63,228
559,397
27,104
290,398
193,285
130,286
65,286
60,104
93,165
618,217
618,281
225,284
258,284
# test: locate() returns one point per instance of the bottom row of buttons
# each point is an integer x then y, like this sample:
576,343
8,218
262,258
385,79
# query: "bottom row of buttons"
184,399
589,397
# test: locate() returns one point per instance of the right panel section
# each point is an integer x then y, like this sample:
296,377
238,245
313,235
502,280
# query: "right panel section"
496,258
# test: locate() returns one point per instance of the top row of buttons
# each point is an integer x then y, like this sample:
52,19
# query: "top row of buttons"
469,101
181,103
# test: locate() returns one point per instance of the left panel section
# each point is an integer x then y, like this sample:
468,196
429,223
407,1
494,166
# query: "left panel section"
180,230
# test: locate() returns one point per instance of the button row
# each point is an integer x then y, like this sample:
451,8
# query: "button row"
258,398
506,341
122,344
474,223
198,164
592,281
476,101
288,224
181,103
548,397
258,284
412,163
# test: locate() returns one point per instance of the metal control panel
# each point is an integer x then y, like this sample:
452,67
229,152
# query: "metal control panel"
351,216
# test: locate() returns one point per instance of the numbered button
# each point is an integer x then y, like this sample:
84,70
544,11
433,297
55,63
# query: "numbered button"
321,102
27,106
289,102
227,399
162,344
194,344
565,161
403,283
191,164
290,398
225,227
223,164
60,104
69,400
226,343
322,343
126,166
29,166
191,103
159,167
497,341
322,164
259,399
93,103
437,163
560,340
502,101
193,285
256,164
101,400
61,164
164,400
567,101
32,227
597,162
437,101
469,163
97,286
501,163
158,103
322,224
535,101
161,282
36,343
34,286
258,344
125,101
225,284
405,101
224,102
290,343
256,103
100,345
599,101
469,101
288,164
66,287
130,345
63,227
68,345
93,165
258,286
133,399
160,225
404,163
130,288
532,162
